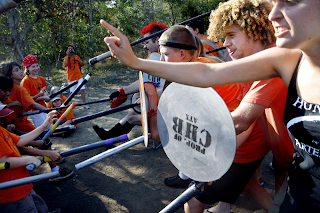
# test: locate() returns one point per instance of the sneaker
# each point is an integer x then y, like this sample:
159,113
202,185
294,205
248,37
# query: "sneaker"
64,174
54,211
271,166
176,181
62,160
261,182
86,106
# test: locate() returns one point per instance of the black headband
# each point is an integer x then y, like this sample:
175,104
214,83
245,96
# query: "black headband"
177,45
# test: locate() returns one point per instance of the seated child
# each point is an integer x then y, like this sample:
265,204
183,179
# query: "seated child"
19,100
57,102
20,198
35,85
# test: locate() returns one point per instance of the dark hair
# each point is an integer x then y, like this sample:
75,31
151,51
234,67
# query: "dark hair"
6,83
70,45
153,28
197,24
6,69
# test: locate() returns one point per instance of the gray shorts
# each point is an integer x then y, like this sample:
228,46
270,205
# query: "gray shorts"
32,203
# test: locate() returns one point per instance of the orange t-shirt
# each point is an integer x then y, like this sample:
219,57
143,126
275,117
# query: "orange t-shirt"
20,94
73,69
8,148
256,146
229,93
34,86
208,47
272,94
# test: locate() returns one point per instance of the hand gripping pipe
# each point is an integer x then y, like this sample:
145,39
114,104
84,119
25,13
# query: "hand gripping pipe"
84,148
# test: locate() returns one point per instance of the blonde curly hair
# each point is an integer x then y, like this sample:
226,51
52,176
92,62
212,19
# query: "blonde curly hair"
250,15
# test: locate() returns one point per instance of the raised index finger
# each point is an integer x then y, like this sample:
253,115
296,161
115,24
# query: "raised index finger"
111,28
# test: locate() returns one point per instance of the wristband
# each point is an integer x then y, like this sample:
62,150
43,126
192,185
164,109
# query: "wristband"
152,112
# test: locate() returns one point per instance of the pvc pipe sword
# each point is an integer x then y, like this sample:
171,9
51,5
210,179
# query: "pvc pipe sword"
183,198
77,89
108,153
63,89
98,58
31,179
57,108
31,167
90,117
80,149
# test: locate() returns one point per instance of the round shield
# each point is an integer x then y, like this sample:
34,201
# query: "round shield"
196,131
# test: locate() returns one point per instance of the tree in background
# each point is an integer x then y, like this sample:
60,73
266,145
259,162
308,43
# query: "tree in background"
45,27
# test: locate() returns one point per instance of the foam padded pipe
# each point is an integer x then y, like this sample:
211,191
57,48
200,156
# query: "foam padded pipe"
4,165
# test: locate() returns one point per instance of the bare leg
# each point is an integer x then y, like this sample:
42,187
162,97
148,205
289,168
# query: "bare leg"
130,113
194,206
83,95
221,207
135,120
259,194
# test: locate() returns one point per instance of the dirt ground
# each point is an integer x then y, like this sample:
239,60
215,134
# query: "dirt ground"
129,181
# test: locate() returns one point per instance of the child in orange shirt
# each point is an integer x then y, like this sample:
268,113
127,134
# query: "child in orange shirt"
19,100
57,102
35,85
21,198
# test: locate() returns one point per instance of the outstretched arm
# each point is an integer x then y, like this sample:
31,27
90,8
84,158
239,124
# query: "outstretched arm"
273,62
16,162
30,136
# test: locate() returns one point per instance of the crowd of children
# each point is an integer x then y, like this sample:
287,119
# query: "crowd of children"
18,135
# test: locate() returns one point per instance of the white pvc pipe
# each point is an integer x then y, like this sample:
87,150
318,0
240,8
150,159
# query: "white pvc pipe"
27,180
108,153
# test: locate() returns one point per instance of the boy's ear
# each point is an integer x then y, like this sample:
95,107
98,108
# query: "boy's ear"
157,41
183,54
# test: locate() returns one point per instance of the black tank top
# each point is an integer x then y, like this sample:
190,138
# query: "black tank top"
302,119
